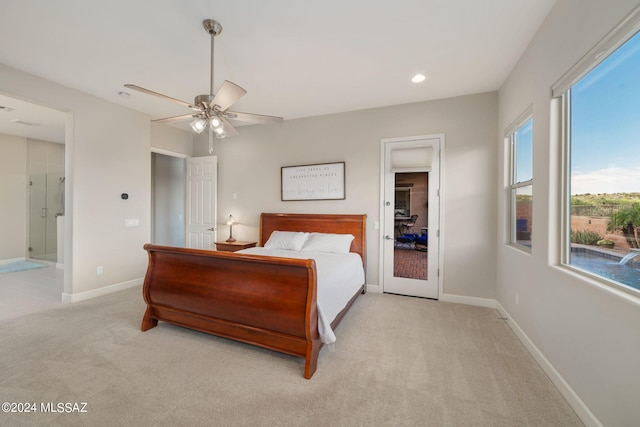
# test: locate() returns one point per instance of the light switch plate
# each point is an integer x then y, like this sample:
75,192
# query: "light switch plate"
132,222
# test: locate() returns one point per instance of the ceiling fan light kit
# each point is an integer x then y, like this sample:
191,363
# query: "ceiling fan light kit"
212,111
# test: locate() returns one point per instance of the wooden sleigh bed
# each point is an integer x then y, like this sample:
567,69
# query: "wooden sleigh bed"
262,300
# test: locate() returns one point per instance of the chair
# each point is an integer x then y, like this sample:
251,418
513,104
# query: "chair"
521,229
421,243
406,239
407,227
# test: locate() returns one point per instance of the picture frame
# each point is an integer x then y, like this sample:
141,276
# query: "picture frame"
321,181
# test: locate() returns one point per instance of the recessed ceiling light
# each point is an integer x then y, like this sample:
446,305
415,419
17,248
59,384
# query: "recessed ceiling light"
418,78
124,94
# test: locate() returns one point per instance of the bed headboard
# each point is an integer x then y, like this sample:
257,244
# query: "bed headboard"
318,223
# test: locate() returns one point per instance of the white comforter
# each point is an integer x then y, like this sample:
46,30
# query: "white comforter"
339,278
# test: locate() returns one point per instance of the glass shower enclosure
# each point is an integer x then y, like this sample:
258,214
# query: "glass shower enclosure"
46,204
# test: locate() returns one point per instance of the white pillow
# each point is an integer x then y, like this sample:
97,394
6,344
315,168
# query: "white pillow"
287,240
325,242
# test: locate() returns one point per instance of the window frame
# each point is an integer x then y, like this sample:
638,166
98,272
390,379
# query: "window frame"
513,186
561,96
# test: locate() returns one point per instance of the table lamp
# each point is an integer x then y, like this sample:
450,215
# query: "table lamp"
230,222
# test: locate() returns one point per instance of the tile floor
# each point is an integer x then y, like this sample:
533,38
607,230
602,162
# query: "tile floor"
410,263
26,292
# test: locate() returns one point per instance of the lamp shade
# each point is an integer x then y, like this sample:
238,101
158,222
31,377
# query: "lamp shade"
198,125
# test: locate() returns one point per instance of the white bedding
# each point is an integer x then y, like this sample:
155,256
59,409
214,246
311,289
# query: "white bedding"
339,277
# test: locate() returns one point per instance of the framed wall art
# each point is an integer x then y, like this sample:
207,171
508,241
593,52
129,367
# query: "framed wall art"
324,181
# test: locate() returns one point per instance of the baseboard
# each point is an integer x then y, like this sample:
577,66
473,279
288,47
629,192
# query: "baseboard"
457,299
460,299
81,296
580,408
9,261
376,289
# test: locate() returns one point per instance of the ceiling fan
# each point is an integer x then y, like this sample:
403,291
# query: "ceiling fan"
211,110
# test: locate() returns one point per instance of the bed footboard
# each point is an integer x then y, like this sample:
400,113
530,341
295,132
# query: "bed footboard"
265,301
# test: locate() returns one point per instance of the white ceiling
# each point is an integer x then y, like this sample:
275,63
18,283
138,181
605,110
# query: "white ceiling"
295,58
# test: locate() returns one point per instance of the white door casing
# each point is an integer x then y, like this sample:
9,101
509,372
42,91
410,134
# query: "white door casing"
411,154
201,206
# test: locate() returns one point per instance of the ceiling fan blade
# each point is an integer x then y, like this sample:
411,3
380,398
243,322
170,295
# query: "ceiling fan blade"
174,119
227,95
159,95
253,118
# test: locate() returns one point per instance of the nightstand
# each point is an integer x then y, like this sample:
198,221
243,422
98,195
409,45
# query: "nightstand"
234,246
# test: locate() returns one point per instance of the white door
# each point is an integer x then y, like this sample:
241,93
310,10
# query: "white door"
201,197
411,216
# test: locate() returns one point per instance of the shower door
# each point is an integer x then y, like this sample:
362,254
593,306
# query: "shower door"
46,203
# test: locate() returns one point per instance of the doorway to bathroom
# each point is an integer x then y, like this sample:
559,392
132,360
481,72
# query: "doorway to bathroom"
33,180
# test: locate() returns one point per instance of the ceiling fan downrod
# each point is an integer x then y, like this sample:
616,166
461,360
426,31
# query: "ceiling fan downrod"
214,28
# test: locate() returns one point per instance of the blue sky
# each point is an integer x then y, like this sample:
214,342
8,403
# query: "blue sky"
524,149
605,126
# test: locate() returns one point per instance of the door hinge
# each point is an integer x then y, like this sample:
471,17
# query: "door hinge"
438,273
438,233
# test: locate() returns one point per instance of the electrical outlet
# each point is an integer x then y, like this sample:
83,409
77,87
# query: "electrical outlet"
99,270
517,298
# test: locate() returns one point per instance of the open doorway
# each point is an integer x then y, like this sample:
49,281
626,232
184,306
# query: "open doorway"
33,166
183,200
167,200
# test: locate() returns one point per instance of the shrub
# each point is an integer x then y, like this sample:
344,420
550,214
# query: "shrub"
585,237
606,243
627,220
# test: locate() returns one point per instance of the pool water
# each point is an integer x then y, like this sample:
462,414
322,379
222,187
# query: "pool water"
628,274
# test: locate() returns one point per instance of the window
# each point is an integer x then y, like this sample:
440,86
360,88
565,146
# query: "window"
601,122
520,141
403,202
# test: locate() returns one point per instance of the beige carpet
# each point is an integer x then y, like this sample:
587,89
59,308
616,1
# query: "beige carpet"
398,361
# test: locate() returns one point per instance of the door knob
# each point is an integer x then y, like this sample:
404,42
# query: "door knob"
388,238
211,229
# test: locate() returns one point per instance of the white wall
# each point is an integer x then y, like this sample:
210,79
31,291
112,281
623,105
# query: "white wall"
13,197
249,166
170,140
589,335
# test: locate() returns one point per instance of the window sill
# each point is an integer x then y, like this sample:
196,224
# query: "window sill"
610,287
